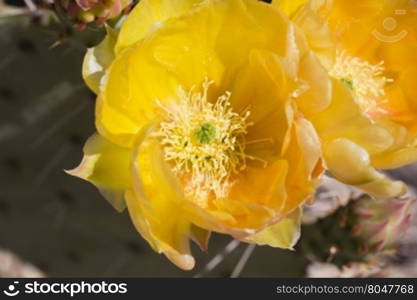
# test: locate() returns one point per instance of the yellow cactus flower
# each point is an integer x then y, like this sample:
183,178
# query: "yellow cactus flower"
370,46
202,123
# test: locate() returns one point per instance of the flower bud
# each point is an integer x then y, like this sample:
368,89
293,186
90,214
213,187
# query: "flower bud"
97,11
382,222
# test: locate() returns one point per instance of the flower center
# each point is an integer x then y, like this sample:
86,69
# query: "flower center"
364,79
205,142
206,133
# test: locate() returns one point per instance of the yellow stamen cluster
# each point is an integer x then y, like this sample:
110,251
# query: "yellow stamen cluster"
364,79
204,141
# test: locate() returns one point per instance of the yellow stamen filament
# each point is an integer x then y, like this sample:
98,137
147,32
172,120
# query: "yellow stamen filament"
366,81
259,141
205,142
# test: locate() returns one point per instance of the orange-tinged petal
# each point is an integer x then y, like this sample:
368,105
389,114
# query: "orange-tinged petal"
398,107
256,196
396,159
306,167
266,96
403,107
200,236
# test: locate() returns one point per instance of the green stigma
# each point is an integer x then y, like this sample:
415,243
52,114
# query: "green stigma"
206,133
347,82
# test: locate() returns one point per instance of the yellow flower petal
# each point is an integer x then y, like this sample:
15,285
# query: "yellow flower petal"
128,99
284,234
98,59
396,159
305,158
200,236
402,152
343,118
401,106
351,164
316,31
266,96
148,16
106,166
157,206
176,251
289,6
257,195
114,125
319,86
